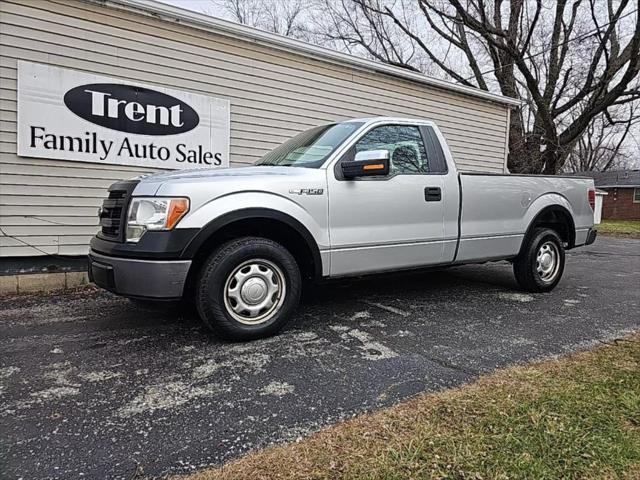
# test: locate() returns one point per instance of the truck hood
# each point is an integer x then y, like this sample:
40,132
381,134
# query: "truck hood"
220,174
228,179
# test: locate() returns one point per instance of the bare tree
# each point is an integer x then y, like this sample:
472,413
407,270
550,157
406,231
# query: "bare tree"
341,25
570,62
602,146
284,17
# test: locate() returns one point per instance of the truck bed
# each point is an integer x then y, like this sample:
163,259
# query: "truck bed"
497,209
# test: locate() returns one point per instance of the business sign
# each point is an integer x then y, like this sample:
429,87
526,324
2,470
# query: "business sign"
69,115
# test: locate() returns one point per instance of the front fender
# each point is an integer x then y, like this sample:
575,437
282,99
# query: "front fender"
312,214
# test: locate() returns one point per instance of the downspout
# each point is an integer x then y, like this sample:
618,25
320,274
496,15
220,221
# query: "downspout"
506,142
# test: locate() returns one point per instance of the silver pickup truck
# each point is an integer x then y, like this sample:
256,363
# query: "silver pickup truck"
345,199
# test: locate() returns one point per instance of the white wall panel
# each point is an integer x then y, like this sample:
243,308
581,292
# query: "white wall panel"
274,94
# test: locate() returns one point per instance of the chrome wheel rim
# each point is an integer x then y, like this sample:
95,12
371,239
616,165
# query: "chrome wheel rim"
254,291
548,262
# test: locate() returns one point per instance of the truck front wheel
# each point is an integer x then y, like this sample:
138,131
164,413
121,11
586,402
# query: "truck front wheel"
540,264
248,288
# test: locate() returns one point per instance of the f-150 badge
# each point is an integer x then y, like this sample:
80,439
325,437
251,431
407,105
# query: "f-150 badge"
307,191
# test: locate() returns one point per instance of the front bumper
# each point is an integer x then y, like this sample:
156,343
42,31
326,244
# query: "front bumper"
159,279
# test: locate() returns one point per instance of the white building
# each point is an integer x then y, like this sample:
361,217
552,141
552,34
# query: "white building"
251,90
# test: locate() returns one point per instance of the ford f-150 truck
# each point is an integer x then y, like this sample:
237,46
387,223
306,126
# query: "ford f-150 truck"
345,199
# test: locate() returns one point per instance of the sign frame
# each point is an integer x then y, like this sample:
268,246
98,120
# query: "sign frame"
66,114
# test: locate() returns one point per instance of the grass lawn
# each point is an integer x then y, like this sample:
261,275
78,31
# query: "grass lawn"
573,418
620,228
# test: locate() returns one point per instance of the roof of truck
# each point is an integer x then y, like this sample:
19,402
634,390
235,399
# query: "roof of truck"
390,119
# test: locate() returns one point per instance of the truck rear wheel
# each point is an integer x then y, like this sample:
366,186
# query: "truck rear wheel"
248,288
540,265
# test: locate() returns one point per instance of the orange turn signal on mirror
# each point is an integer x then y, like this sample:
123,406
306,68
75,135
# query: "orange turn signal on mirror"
374,166
177,209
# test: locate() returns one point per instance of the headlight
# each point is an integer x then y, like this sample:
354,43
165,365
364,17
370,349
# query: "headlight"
154,213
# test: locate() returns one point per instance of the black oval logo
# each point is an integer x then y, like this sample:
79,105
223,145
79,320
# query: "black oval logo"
131,109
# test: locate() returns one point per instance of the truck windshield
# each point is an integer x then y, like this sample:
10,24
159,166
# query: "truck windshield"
310,148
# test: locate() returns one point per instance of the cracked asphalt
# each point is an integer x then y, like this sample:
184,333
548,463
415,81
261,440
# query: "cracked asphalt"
92,386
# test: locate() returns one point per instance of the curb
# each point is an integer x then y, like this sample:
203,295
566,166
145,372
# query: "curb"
41,282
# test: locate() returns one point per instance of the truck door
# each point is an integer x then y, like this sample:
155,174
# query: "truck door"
395,221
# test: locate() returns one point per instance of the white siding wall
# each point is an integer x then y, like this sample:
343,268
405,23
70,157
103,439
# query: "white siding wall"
274,94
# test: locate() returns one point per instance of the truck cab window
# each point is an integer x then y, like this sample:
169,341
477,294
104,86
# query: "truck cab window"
407,153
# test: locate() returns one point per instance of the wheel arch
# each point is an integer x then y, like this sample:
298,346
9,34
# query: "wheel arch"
558,218
263,222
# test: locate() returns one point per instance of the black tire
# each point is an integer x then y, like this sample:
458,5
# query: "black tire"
219,275
531,275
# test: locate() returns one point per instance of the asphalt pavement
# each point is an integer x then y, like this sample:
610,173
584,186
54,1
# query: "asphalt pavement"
92,386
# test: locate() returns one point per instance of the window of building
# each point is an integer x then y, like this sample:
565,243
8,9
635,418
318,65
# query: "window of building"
636,195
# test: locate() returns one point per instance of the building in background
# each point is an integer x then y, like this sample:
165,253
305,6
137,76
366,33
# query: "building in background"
93,91
623,189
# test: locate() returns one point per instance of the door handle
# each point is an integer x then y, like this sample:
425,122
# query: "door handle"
432,194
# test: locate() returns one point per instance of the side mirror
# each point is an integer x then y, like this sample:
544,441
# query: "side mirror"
367,164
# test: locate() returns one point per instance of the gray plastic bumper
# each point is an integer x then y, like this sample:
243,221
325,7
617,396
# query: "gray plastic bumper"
161,279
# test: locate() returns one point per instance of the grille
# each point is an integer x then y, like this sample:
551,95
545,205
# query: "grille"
114,209
111,214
